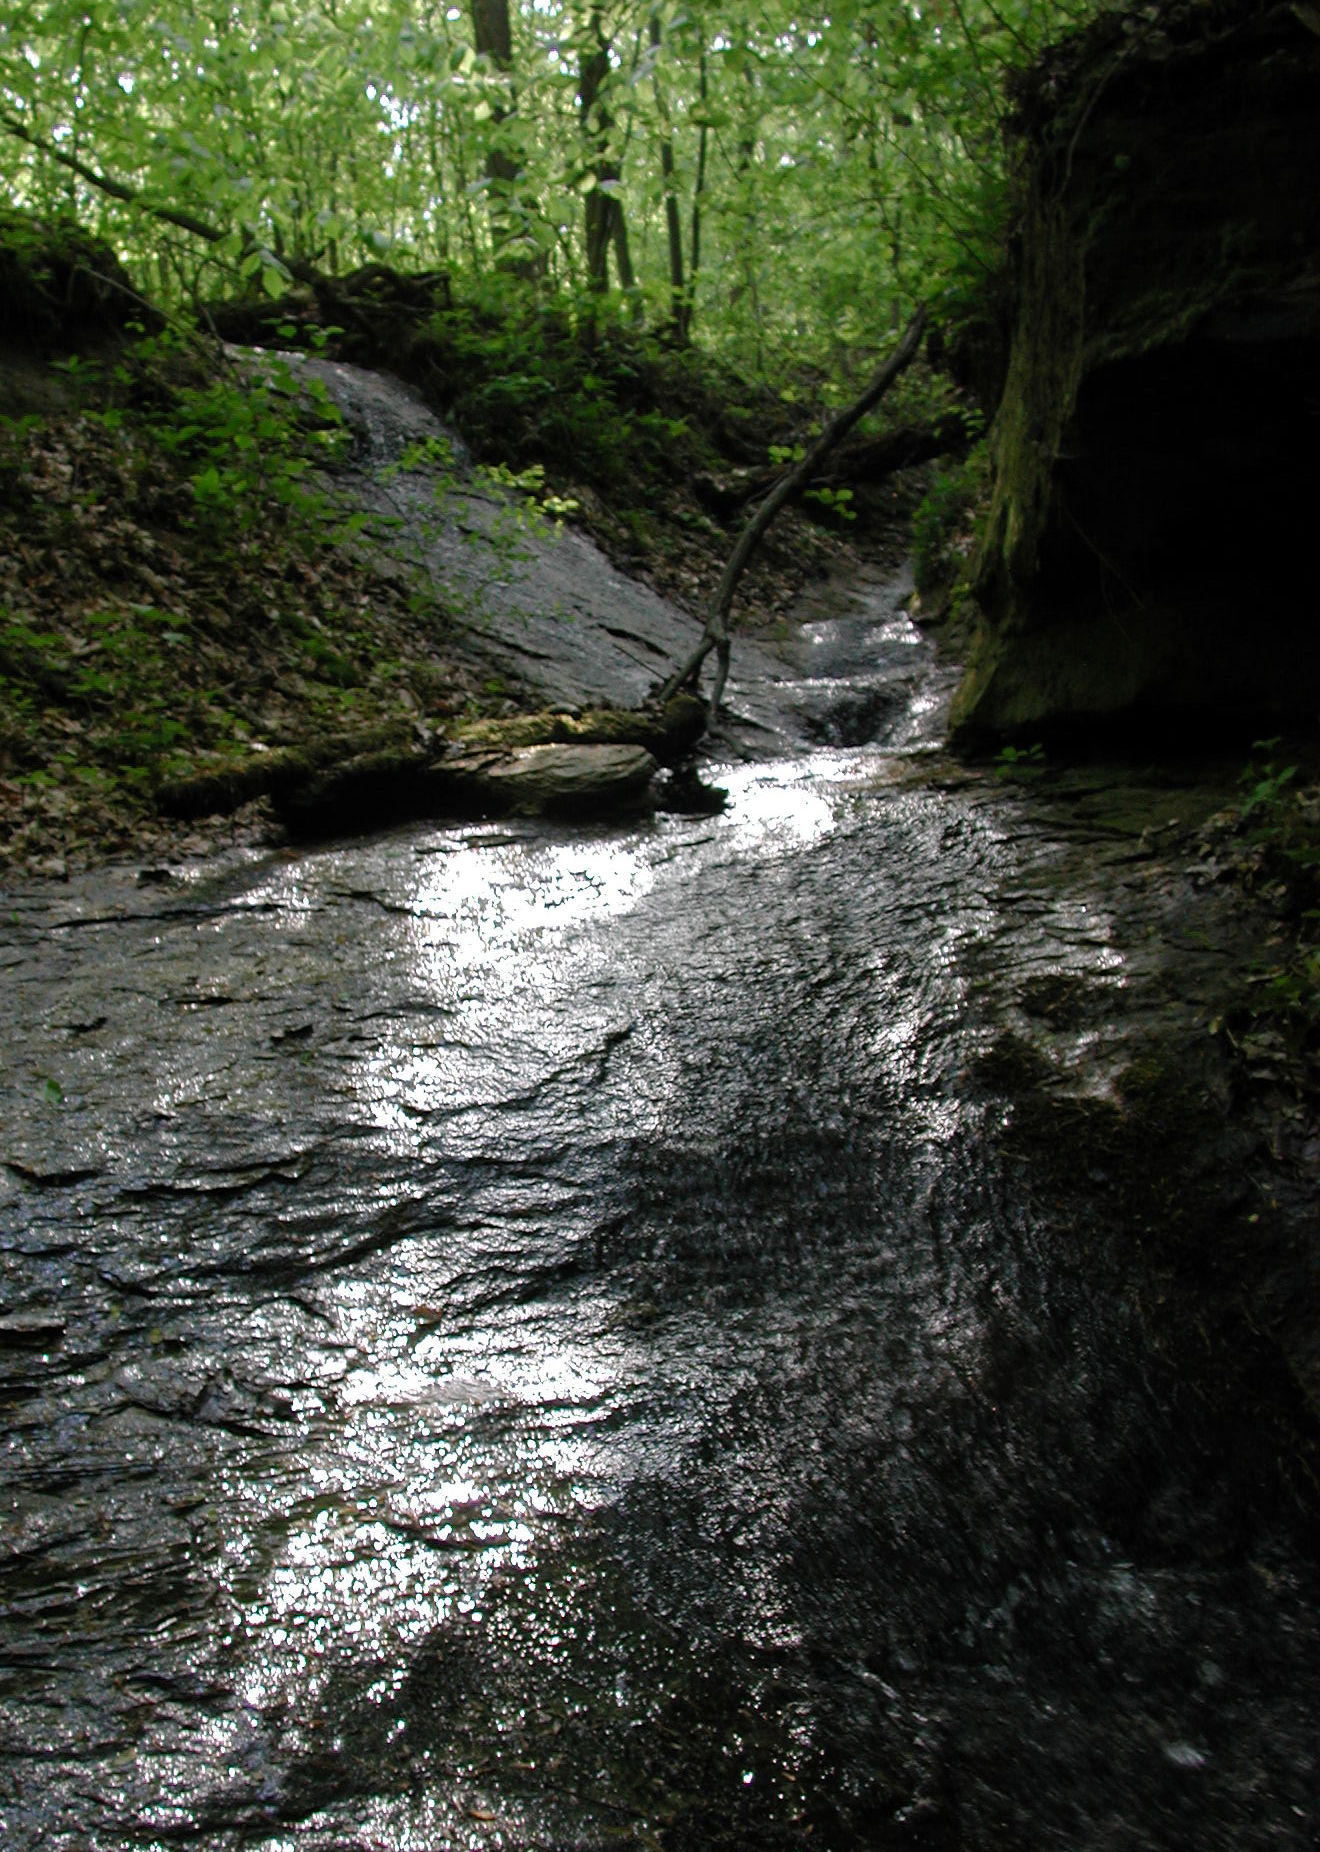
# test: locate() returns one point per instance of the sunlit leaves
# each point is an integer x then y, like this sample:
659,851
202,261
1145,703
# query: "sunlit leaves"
848,157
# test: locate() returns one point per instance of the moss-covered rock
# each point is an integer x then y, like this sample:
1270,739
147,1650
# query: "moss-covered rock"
1154,452
595,764
669,733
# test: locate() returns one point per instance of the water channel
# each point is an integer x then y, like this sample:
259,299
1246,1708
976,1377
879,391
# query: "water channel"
519,1336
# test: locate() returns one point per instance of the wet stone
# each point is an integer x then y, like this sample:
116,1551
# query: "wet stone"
610,1334
31,1328
555,780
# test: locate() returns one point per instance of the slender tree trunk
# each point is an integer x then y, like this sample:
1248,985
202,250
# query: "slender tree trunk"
465,201
492,37
78,83
619,240
598,218
698,188
715,636
677,290
749,242
605,226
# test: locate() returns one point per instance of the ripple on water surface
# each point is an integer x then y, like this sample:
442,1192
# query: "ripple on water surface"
548,1341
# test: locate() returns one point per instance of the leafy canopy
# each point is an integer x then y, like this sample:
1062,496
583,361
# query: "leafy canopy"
799,176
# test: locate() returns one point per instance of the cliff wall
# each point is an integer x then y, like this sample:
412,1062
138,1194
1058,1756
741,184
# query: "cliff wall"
1147,559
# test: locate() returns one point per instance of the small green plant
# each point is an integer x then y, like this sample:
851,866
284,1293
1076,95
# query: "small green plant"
1265,784
1280,818
1014,761
250,440
837,502
944,526
1280,814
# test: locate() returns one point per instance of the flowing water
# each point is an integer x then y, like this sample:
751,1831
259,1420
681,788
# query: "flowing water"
524,1337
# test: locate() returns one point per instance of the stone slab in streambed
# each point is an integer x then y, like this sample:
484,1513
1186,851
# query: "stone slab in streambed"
551,781
582,782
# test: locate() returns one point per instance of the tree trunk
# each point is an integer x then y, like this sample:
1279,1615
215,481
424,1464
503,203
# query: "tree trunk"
604,223
492,37
698,188
677,288
715,636
593,68
622,254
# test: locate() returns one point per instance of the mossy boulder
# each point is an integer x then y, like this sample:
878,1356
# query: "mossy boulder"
1153,455
670,732
597,763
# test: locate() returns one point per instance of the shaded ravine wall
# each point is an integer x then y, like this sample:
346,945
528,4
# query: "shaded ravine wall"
1147,558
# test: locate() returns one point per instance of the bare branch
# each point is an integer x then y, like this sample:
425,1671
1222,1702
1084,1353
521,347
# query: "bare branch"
715,636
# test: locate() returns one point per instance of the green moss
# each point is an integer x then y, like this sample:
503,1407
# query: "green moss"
1045,369
669,734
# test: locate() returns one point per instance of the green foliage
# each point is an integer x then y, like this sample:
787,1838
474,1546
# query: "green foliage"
1267,786
162,602
842,163
1280,819
530,395
945,521
250,442
1280,815
1019,761
834,501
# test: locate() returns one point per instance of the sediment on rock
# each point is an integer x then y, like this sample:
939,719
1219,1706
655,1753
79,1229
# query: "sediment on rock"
670,733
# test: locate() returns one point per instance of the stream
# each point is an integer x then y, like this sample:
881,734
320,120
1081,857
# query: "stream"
528,1337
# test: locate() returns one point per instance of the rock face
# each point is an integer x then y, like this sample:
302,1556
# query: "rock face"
1146,559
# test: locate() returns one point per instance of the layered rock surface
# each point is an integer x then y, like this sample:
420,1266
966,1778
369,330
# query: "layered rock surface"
1146,558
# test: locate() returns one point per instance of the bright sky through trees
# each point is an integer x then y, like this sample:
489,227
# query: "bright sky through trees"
785,181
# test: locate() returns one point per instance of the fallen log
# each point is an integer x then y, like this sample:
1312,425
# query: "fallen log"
596,762
556,780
